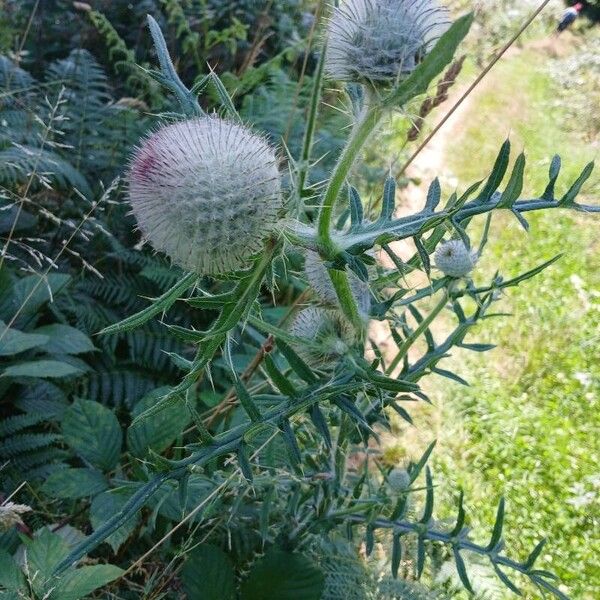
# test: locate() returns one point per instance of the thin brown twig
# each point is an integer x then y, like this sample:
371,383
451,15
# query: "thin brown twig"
473,86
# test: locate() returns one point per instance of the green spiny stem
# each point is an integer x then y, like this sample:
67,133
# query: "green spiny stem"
418,224
340,282
433,535
411,339
362,130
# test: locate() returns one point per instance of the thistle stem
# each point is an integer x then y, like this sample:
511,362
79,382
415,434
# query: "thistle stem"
363,128
412,338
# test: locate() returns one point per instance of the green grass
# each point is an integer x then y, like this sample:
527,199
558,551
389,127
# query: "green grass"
528,426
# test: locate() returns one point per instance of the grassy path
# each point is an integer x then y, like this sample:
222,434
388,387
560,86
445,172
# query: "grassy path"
529,425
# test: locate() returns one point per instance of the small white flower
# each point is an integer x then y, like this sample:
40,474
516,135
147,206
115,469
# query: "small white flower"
207,192
318,278
327,335
453,258
382,40
10,514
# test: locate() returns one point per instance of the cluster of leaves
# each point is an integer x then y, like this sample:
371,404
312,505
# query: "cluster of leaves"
212,429
233,37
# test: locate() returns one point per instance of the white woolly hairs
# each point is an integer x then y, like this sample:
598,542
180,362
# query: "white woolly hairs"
327,334
381,40
318,278
453,258
207,192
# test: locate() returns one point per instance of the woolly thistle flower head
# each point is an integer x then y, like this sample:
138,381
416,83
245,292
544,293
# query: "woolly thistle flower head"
328,336
319,280
207,192
382,40
453,258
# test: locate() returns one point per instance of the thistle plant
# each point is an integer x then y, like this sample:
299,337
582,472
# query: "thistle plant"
206,190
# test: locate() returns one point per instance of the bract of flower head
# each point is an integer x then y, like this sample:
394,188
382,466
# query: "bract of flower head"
207,192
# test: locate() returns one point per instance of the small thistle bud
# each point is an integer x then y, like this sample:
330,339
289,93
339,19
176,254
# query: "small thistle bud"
382,40
207,192
399,480
454,259
328,336
319,280
10,514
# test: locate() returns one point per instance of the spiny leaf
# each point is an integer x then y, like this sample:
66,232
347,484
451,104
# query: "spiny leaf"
370,540
462,570
535,554
244,463
498,525
318,419
428,510
396,554
460,518
515,184
505,580
434,63
158,305
280,381
497,174
420,556
298,365
423,255
246,401
169,77
569,198
554,171
434,195
389,199
356,207
415,471
450,375
290,441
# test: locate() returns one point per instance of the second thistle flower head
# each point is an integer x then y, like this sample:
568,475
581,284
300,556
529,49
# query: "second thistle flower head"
207,192
328,336
453,258
318,278
382,40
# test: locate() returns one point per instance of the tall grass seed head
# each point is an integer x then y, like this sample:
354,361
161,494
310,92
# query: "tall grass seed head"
382,40
328,336
319,280
454,259
10,514
206,192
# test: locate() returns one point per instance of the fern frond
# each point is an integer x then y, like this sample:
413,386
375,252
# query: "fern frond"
20,161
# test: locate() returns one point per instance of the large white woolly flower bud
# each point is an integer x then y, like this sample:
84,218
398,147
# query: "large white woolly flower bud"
328,336
207,192
453,258
318,278
382,40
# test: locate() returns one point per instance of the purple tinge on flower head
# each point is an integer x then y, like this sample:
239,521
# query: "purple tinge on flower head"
207,192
